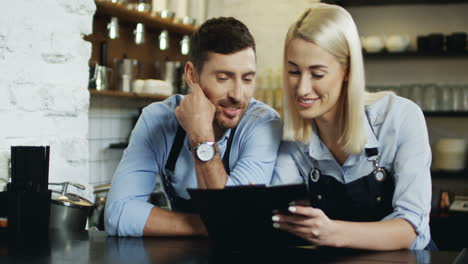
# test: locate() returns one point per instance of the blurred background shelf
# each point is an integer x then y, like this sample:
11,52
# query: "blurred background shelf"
111,93
445,114
414,54
120,145
120,11
450,174
351,3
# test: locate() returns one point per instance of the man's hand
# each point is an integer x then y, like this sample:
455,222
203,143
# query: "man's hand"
195,114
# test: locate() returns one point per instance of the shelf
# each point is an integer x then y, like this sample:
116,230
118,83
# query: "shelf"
112,93
350,3
449,174
445,114
414,54
121,145
120,11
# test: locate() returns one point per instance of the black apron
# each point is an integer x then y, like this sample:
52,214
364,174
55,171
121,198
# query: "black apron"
366,199
176,202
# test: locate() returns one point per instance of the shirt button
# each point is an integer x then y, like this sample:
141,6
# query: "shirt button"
319,197
379,199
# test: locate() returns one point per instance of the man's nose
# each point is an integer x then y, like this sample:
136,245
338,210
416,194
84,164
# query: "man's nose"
237,91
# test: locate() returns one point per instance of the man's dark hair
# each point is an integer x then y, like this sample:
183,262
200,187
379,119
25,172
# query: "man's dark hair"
223,35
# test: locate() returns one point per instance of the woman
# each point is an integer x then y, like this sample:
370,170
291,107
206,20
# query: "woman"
366,157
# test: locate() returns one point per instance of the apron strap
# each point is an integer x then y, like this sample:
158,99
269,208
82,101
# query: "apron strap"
177,144
227,153
175,149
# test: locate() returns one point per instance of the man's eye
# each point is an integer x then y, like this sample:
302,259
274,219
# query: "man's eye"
221,78
248,79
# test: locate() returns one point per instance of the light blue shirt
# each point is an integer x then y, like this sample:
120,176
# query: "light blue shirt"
252,160
402,139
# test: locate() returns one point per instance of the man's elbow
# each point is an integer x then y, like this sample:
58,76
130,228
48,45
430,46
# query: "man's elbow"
110,220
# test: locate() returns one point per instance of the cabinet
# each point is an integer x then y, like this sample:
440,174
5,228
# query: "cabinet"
415,54
124,46
349,3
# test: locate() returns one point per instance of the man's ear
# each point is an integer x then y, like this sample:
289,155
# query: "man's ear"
191,75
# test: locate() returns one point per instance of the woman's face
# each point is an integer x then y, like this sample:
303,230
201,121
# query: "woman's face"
314,79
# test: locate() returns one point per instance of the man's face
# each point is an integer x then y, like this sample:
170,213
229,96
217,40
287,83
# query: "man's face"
229,82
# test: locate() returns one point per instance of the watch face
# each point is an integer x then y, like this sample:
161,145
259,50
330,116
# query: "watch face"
205,152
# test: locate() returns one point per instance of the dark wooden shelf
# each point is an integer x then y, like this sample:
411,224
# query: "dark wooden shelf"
351,3
445,114
121,145
414,54
449,174
112,93
123,13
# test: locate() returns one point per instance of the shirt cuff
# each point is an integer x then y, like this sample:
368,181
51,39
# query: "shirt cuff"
420,224
231,182
133,219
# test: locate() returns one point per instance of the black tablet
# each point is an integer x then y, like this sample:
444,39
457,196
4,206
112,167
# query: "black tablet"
240,216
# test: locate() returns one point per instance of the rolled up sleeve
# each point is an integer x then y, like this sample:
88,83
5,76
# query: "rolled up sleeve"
127,209
413,192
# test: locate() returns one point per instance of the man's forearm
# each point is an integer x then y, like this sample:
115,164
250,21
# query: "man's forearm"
166,223
211,173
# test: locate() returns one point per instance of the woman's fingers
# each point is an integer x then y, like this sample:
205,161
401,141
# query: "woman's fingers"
305,211
292,219
306,233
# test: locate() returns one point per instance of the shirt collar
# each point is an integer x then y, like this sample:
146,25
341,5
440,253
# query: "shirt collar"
317,150
372,141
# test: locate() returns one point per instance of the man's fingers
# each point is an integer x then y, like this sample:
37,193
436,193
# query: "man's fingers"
196,89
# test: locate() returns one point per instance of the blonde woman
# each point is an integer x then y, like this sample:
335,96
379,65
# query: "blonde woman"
365,157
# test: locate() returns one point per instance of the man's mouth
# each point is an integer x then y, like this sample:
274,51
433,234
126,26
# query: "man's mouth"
231,111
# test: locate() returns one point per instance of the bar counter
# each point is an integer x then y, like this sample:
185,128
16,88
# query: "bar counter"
96,247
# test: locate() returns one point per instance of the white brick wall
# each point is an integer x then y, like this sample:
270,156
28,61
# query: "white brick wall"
43,88
110,121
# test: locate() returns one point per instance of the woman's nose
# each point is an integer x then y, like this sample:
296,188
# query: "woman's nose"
304,86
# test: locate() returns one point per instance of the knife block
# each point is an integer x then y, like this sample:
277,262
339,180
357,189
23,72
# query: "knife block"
28,215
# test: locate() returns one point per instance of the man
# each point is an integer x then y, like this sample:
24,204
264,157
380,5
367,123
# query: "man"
217,135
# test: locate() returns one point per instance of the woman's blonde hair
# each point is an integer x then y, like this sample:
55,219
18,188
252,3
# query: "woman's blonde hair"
333,29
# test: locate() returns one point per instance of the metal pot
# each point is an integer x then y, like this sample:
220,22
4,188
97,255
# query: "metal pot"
68,211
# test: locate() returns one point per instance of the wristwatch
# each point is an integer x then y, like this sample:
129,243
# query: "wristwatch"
205,151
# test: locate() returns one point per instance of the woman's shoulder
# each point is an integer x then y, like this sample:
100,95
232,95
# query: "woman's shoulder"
288,146
389,106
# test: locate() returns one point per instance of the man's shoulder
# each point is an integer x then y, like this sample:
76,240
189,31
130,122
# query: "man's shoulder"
259,110
163,110
167,105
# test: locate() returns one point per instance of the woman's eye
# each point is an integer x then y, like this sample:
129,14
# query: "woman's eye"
317,76
293,72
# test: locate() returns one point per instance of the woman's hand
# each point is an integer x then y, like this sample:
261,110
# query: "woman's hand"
309,223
